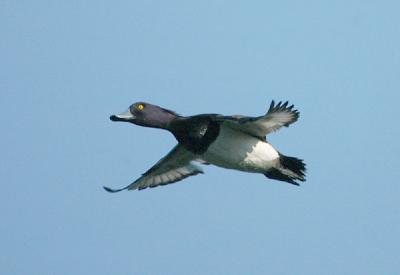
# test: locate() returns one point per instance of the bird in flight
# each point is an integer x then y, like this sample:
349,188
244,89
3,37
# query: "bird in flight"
233,142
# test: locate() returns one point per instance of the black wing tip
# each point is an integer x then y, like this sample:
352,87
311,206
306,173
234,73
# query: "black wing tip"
271,106
283,106
111,190
196,172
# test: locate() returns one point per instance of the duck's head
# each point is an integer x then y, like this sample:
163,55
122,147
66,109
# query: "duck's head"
146,114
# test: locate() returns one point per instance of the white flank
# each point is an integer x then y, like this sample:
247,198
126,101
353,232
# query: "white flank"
237,150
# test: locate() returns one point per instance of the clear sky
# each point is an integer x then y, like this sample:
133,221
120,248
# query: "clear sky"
67,65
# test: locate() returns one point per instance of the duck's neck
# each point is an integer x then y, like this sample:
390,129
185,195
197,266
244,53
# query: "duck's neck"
160,120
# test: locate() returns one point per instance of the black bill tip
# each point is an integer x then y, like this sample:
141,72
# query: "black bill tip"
114,118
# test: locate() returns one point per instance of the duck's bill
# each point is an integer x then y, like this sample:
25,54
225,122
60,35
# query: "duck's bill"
127,116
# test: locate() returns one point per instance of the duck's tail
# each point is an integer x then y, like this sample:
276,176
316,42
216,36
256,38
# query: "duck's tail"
290,170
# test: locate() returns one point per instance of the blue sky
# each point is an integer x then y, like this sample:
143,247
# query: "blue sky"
67,65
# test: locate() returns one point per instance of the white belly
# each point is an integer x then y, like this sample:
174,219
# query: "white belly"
236,150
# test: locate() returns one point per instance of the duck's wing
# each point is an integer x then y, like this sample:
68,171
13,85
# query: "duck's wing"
278,115
175,166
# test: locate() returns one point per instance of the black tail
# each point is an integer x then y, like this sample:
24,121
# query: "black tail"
290,170
295,165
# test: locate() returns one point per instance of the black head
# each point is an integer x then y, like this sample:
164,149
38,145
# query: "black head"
146,114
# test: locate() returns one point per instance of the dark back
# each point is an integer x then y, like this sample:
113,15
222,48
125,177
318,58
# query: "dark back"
195,133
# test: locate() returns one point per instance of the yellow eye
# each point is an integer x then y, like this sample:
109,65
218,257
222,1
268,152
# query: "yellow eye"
140,107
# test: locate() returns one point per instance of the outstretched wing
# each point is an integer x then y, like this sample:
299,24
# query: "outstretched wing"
277,116
175,166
